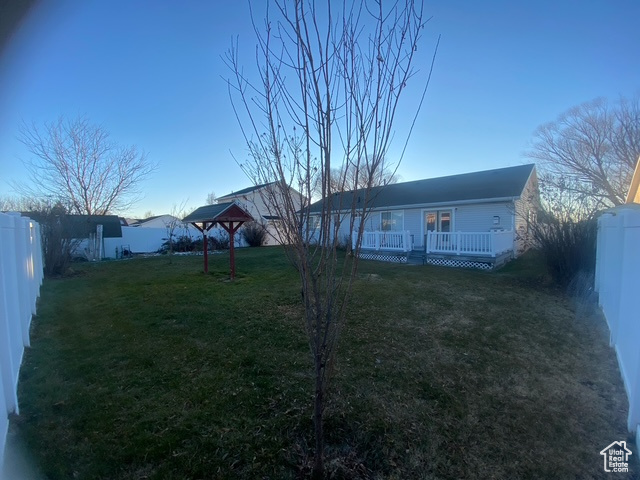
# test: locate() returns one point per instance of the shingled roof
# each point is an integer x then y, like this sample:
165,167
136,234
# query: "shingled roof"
81,226
501,183
226,211
246,190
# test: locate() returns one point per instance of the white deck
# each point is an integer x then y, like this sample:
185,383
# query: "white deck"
489,244
486,244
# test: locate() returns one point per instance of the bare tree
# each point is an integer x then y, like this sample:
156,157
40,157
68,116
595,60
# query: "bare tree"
588,154
211,198
330,81
349,177
75,162
174,223
22,204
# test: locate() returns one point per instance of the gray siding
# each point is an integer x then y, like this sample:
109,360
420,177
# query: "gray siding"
465,218
479,218
413,223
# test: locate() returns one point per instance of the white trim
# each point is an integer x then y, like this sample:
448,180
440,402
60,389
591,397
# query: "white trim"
423,213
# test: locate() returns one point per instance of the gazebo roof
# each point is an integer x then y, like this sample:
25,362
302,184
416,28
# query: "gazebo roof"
219,212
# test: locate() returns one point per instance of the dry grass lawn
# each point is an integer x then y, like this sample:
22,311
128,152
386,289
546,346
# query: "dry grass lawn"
145,369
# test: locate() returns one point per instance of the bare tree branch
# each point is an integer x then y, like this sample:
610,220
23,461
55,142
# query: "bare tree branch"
325,101
590,151
75,162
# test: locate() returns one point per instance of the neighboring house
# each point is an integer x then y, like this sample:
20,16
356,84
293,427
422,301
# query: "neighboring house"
633,196
158,221
478,219
259,202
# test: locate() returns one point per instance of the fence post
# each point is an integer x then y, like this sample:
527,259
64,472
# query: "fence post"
10,353
20,277
628,326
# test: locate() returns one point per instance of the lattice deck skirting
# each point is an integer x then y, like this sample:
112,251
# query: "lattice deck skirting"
446,262
384,257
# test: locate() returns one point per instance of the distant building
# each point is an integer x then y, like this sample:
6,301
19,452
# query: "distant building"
259,202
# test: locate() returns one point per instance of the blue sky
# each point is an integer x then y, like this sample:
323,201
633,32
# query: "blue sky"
151,73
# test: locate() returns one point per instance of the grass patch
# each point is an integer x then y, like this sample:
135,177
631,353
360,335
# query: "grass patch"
145,369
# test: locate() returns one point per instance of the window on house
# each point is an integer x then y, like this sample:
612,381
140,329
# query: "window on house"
391,221
437,221
445,221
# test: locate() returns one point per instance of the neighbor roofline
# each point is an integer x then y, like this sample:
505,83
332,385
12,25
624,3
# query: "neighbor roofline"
256,188
431,205
633,196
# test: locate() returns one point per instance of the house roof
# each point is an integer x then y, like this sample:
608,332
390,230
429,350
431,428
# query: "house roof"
486,185
634,189
80,226
229,211
246,190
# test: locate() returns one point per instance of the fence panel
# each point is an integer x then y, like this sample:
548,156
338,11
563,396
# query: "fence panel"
20,280
617,267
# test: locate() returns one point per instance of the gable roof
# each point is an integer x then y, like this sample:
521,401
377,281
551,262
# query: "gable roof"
229,211
633,196
246,190
501,183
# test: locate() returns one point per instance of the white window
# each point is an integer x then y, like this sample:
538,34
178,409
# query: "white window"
392,221
314,222
437,221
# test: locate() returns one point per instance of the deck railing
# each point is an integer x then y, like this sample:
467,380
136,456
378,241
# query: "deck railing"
470,243
393,241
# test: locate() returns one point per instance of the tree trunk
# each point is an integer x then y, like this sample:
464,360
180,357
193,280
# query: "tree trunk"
318,410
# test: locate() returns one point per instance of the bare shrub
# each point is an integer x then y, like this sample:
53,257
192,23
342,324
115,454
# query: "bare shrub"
254,234
569,246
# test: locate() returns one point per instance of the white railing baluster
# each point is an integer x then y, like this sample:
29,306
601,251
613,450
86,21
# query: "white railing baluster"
469,243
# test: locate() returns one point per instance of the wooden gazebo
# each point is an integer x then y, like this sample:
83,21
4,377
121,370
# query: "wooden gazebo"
229,216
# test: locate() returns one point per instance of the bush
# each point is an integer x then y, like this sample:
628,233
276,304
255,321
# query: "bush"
180,244
220,242
186,244
254,234
569,247
57,247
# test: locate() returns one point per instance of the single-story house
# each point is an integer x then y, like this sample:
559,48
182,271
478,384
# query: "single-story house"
478,219
258,201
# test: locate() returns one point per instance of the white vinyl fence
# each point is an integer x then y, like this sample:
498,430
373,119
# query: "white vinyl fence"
149,240
20,280
617,275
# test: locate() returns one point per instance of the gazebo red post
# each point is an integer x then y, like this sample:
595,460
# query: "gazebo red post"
205,250
231,230
230,216
205,247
